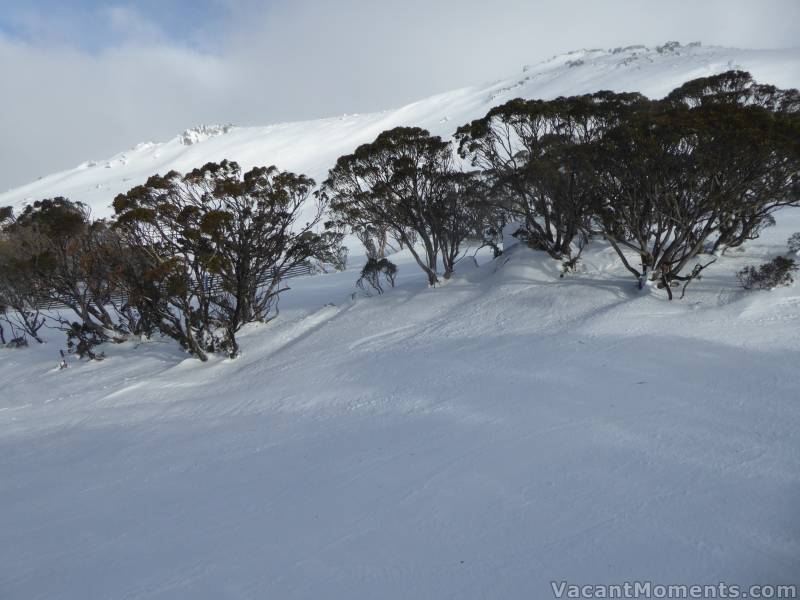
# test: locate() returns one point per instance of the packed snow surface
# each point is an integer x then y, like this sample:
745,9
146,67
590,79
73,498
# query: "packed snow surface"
475,440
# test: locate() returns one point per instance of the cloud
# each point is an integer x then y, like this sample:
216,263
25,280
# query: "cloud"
61,106
129,24
94,80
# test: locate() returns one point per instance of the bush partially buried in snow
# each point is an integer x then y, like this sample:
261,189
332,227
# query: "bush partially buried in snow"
777,272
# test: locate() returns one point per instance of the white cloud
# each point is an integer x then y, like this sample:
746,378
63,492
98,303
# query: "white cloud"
61,106
129,24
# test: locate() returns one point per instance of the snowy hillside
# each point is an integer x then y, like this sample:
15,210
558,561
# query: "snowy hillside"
480,439
312,147
472,441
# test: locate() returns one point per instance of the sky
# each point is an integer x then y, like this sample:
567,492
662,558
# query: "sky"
85,79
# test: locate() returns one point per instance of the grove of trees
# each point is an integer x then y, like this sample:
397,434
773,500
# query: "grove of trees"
669,184
194,257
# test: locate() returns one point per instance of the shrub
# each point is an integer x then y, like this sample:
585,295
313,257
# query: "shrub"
777,272
18,342
83,340
794,242
372,271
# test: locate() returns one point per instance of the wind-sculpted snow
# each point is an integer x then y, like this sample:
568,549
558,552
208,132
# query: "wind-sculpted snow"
201,133
312,147
476,440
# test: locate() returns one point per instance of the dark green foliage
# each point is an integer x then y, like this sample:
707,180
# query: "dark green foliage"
210,249
538,159
372,272
683,173
83,340
737,88
193,257
793,242
403,186
777,272
335,256
18,342
58,256
664,181
20,292
753,133
197,256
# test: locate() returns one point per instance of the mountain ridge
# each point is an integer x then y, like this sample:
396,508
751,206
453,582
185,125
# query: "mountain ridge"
312,146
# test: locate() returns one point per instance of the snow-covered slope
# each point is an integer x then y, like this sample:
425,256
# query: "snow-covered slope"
312,147
477,440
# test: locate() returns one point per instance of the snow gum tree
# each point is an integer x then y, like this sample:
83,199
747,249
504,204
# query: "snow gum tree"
404,185
678,178
217,244
54,250
534,154
702,170
19,296
754,149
